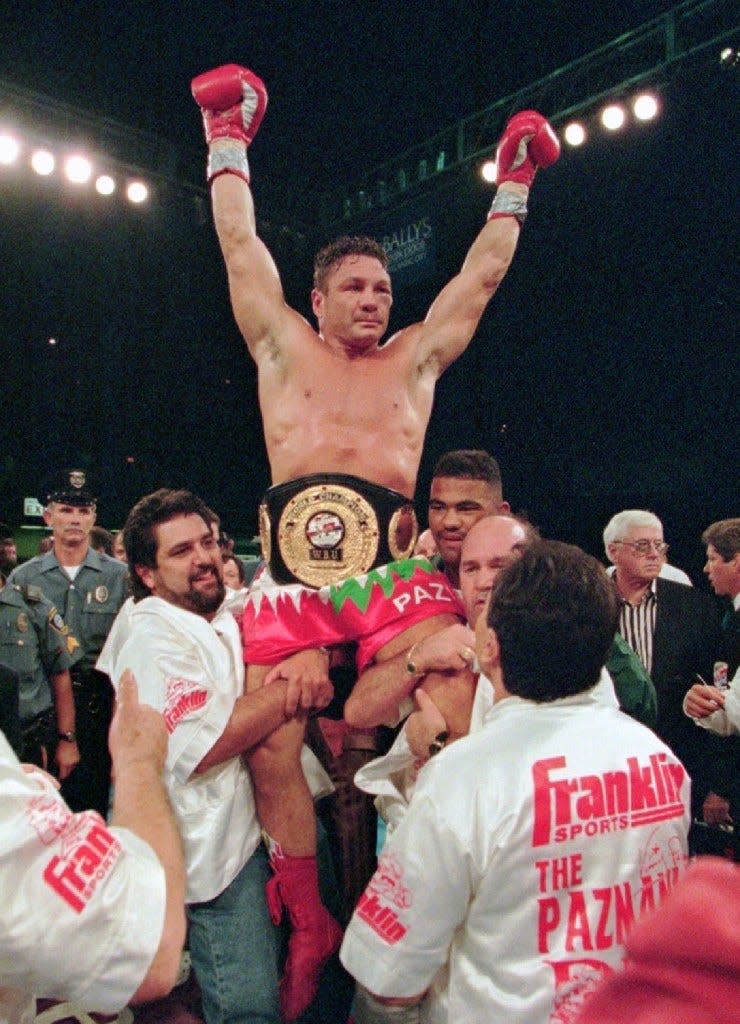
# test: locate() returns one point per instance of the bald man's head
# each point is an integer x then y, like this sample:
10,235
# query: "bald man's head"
489,545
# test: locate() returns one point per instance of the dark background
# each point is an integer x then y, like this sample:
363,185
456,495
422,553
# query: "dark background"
604,373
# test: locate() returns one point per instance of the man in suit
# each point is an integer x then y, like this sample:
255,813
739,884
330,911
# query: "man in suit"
675,631
723,569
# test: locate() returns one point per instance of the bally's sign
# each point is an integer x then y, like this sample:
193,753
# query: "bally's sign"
409,242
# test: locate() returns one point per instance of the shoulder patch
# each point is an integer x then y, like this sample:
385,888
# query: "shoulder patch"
56,622
59,626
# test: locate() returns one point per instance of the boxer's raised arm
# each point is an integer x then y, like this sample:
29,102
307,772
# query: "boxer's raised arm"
233,102
527,144
454,315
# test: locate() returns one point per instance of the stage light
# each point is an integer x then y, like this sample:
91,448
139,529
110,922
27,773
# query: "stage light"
575,134
78,169
488,171
729,58
105,185
137,192
645,107
9,149
612,117
43,162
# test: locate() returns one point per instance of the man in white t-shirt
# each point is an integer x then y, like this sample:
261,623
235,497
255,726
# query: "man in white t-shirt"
91,913
184,646
530,847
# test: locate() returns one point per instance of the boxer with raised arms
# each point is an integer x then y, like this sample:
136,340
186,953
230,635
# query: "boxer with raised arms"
344,421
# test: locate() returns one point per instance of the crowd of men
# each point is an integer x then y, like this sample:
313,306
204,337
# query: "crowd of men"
179,636
546,764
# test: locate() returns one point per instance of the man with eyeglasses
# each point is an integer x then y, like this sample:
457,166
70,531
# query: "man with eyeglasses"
675,631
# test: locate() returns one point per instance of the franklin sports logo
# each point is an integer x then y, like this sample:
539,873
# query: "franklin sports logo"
588,805
88,853
183,696
384,892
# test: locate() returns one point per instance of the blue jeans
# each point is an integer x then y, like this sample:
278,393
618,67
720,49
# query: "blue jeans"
234,948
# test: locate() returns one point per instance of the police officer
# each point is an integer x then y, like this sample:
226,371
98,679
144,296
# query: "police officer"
35,643
87,588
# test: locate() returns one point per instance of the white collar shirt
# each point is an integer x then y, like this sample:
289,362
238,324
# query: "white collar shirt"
192,671
83,903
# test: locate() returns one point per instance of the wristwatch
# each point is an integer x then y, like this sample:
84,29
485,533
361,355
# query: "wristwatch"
70,737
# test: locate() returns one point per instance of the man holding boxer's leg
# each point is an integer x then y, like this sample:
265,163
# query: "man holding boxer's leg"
344,423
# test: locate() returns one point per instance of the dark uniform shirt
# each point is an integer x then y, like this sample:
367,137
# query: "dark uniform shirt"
36,643
88,603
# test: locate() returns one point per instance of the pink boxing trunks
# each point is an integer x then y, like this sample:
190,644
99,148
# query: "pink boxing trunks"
369,609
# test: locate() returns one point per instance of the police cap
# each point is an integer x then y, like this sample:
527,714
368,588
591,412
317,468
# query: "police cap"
68,487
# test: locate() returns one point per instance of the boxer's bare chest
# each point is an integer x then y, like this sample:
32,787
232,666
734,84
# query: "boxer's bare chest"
364,415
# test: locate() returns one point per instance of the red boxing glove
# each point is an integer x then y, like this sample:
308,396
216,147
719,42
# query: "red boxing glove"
528,142
233,101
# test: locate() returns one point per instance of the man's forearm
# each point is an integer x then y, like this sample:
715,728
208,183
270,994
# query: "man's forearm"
64,704
492,251
233,213
379,692
255,715
141,805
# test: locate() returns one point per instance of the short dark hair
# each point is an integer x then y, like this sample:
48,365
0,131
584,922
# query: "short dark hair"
355,245
470,463
139,538
724,536
6,533
239,567
101,538
554,611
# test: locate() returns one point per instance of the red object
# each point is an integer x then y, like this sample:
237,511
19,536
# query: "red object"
315,934
683,960
233,101
528,143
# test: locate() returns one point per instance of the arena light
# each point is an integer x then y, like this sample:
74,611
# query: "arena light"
612,117
78,169
645,106
9,149
488,171
575,134
137,192
43,162
105,185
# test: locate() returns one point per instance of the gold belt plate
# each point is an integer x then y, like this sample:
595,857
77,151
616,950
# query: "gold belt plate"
327,533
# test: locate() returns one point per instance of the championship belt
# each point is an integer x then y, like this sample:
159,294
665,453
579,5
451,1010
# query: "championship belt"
327,527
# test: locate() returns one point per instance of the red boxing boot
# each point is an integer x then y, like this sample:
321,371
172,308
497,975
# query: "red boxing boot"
315,934
528,142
